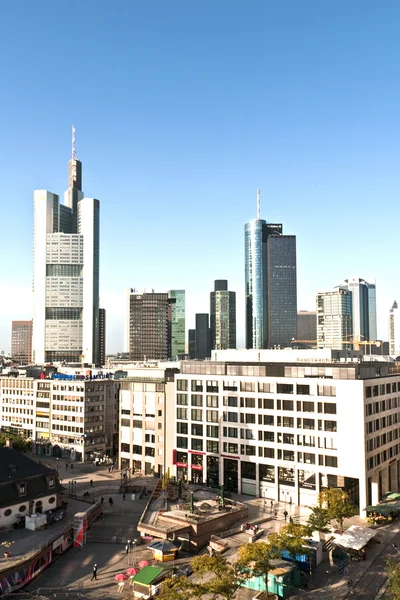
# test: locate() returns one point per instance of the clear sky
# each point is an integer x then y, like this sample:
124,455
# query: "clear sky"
183,108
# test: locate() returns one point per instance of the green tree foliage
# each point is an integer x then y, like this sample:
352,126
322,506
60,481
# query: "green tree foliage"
176,588
19,442
393,573
337,504
257,557
291,538
318,520
225,580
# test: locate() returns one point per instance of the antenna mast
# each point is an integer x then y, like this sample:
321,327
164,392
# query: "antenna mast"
258,204
73,143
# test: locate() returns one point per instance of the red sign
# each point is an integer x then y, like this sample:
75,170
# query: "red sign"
233,457
198,467
195,452
184,465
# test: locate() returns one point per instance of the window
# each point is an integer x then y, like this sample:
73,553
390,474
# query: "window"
197,444
326,390
197,386
212,386
250,450
22,489
303,390
125,423
212,416
331,461
197,429
267,473
212,401
212,431
285,388
330,426
231,448
231,432
22,508
268,420
247,386
182,385
212,446
308,423
329,408
308,407
250,402
197,400
182,413
287,405
125,447
182,399
309,458
52,500
8,512
181,442
230,401
197,414
232,417
250,418
182,428
288,455
264,387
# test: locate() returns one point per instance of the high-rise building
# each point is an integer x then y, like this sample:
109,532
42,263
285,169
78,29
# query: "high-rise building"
394,330
202,342
147,326
270,284
192,343
307,326
21,341
66,273
177,323
102,336
334,319
222,316
363,308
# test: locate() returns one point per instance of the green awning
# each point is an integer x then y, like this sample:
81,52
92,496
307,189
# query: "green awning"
384,509
147,575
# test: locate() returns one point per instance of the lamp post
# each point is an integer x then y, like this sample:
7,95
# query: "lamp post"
134,542
128,542
57,465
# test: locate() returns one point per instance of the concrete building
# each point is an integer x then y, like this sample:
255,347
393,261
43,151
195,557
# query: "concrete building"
146,420
73,418
222,316
307,326
270,285
202,339
147,326
334,319
21,342
177,324
394,330
363,308
66,273
286,424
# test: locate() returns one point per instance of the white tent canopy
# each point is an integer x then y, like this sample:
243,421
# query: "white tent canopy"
355,537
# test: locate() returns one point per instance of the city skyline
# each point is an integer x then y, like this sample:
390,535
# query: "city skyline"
293,99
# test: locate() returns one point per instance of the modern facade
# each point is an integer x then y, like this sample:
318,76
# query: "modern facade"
21,342
307,326
363,308
66,274
147,327
102,336
192,343
202,337
222,316
334,319
177,323
77,418
394,330
270,285
146,420
288,424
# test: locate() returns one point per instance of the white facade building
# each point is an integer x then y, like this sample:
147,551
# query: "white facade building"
334,319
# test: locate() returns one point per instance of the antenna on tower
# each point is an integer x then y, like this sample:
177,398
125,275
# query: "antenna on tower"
258,204
73,143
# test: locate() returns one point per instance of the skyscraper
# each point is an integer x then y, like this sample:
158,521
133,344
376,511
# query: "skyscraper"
394,330
202,339
66,273
334,319
363,308
177,323
147,326
102,336
270,284
222,316
21,341
307,326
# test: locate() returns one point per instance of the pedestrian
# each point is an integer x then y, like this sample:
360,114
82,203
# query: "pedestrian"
66,466
285,514
109,469
91,483
111,502
290,501
94,575
127,549
272,504
102,500
124,497
290,519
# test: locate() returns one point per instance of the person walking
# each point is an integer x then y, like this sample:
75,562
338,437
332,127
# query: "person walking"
285,514
111,502
290,520
124,497
91,483
272,504
94,575
102,500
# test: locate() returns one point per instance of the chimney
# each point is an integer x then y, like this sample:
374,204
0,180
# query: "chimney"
9,443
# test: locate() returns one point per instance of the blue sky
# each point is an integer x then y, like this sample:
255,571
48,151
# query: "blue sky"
182,110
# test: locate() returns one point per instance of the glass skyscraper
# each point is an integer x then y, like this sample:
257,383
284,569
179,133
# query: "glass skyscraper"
270,285
222,316
177,333
364,308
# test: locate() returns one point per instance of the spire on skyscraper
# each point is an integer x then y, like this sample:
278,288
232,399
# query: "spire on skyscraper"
258,204
73,143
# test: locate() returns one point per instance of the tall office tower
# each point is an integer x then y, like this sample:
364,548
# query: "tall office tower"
270,283
177,323
192,343
147,325
334,319
202,343
222,316
66,273
307,326
21,341
364,308
102,336
394,330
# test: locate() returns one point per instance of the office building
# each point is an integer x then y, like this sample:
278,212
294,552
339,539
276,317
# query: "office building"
270,285
146,420
394,330
21,342
307,326
202,339
334,319
288,424
102,336
66,274
363,308
177,323
192,343
222,316
147,328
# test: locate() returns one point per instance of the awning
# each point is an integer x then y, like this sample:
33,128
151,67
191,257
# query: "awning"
355,537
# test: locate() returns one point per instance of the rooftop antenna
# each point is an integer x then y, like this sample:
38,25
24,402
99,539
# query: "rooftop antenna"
73,143
258,204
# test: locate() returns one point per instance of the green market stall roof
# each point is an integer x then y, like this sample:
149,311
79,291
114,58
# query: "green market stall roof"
385,509
147,575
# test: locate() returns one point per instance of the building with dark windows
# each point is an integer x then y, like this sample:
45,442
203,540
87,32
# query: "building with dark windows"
279,424
222,316
147,328
102,336
192,343
307,327
177,323
202,339
363,301
21,342
270,285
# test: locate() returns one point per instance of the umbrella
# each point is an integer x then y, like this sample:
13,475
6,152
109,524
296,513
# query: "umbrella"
144,563
132,571
121,577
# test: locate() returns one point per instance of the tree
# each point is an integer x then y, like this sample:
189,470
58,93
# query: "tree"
291,539
19,443
227,577
337,504
393,573
318,520
257,557
176,588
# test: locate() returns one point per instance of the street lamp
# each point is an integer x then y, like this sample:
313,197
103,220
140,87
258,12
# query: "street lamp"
57,465
134,542
128,543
